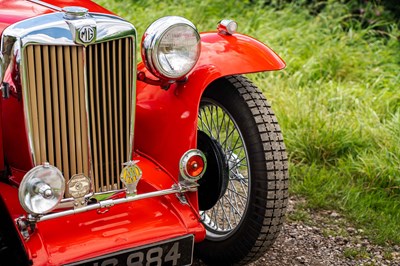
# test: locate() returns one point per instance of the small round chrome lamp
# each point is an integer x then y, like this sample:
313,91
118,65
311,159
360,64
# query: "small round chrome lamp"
41,189
192,165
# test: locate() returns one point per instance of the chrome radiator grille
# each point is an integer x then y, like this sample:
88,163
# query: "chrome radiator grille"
79,106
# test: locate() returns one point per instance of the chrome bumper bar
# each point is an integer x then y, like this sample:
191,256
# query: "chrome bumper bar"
26,225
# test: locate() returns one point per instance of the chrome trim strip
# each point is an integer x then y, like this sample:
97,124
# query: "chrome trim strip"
39,2
54,29
179,188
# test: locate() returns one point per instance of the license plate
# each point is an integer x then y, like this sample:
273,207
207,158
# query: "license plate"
178,251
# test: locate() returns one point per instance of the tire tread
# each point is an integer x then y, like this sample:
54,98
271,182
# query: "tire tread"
270,201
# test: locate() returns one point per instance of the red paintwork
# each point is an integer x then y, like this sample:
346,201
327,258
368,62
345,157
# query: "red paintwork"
124,226
166,121
12,11
165,128
16,146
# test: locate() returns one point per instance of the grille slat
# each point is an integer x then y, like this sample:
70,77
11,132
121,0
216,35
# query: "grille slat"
128,78
97,118
74,88
32,99
70,110
104,114
77,111
55,110
115,109
63,118
83,112
49,104
93,123
40,105
120,118
109,110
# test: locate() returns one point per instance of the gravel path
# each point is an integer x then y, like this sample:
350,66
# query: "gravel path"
323,238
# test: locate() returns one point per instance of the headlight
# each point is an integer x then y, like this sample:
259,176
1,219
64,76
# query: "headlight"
171,47
41,189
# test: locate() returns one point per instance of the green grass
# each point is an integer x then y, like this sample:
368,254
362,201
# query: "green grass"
356,253
338,100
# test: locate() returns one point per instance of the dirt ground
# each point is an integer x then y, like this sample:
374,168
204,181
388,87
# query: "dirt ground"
324,238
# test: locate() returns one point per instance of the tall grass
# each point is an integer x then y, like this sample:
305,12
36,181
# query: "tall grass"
338,100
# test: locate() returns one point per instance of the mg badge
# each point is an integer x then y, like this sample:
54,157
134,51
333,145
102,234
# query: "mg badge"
130,176
86,34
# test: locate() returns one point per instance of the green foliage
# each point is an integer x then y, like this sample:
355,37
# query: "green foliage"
338,100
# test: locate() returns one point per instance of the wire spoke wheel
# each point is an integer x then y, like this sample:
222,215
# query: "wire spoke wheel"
244,191
226,215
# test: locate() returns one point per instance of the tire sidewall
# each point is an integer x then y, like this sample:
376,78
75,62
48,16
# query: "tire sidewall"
247,232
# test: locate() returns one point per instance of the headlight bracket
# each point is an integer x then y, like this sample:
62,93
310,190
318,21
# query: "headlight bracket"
164,84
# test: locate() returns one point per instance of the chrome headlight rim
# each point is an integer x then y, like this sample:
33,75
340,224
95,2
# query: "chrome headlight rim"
151,41
36,181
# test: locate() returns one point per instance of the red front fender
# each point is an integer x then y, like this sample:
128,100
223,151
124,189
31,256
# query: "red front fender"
166,121
236,54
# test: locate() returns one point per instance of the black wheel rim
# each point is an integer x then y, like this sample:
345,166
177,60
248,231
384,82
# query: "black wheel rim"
222,220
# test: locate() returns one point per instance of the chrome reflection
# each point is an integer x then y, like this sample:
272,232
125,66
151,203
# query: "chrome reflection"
54,29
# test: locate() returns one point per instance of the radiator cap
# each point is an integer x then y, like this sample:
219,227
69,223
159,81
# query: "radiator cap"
74,12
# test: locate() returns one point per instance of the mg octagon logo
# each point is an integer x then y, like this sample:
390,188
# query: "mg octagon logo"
86,34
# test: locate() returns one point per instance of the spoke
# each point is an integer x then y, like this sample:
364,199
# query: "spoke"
236,211
236,200
204,125
230,214
224,214
222,220
224,144
239,177
214,214
243,164
240,147
218,215
206,120
210,120
201,115
221,126
233,206
238,194
210,110
244,187
236,142
242,180
228,133
236,163
227,125
212,115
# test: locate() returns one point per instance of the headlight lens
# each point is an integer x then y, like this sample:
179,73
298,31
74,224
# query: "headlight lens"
171,47
41,189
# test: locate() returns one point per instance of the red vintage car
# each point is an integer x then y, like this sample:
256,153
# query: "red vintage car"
108,162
